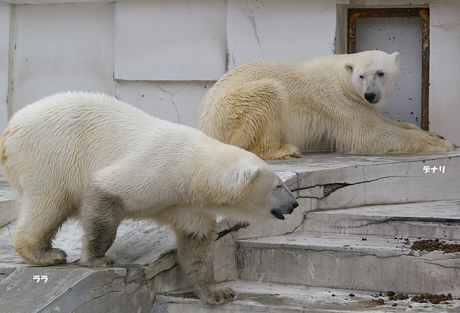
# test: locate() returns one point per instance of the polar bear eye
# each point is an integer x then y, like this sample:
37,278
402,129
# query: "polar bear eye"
361,76
380,74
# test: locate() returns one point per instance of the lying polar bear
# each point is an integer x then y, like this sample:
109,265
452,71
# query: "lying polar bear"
278,109
94,156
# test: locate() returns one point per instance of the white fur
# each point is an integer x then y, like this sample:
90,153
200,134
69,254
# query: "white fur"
278,108
91,151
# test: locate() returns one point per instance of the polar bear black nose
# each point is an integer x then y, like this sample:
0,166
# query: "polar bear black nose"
369,96
285,209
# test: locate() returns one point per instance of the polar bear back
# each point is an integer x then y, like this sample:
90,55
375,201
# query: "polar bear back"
89,131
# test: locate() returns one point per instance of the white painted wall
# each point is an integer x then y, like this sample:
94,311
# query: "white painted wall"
163,55
175,101
61,47
170,40
5,13
294,30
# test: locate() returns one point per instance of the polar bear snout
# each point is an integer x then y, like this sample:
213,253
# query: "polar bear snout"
285,209
372,93
370,97
285,202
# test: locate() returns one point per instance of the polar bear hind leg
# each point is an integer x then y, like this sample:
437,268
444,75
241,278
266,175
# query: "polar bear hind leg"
36,229
252,119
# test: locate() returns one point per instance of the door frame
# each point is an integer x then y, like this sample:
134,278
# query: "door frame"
424,13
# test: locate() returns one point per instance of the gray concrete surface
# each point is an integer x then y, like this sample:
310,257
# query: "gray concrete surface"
347,261
280,298
433,220
339,195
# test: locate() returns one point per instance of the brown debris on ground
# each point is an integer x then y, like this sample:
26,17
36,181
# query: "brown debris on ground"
393,298
423,298
435,299
435,245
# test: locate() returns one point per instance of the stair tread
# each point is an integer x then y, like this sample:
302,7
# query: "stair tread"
341,242
273,297
436,210
431,220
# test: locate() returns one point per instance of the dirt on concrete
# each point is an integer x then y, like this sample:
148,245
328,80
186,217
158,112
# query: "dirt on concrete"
435,245
423,298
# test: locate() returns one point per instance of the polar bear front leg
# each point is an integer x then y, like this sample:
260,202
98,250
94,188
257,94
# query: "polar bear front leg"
196,257
101,214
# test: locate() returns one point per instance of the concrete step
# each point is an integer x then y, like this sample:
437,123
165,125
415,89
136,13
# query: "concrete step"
333,181
279,298
145,263
72,289
371,263
434,220
319,181
7,212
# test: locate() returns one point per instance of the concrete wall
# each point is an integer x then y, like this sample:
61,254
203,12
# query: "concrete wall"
163,56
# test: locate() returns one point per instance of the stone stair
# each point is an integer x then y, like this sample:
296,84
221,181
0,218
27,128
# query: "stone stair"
353,233
349,240
373,263
434,220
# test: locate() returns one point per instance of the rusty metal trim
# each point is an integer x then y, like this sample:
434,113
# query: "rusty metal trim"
424,13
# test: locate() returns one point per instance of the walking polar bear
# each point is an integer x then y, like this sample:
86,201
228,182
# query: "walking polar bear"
91,155
278,109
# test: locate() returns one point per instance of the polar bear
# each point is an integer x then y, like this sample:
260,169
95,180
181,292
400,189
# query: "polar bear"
92,155
278,109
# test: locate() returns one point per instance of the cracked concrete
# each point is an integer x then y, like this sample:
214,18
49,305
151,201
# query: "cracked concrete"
176,101
323,184
280,298
80,289
172,95
432,220
143,252
252,19
378,263
341,181
69,290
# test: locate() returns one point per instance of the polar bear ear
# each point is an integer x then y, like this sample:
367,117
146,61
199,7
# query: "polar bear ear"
244,175
349,67
395,57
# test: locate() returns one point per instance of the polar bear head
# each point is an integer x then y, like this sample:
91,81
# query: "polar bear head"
238,184
374,75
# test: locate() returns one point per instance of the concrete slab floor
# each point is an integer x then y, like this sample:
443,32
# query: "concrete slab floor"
279,298
137,242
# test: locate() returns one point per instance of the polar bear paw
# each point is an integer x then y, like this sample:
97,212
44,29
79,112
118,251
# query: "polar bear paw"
216,294
277,151
52,257
290,152
439,144
104,261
